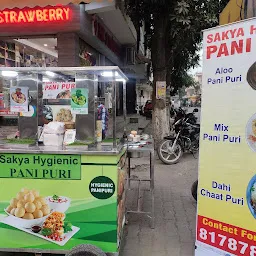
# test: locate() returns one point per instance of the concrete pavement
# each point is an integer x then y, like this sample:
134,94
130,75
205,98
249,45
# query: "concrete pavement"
175,212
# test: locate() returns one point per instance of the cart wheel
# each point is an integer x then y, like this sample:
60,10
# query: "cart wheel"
86,250
194,189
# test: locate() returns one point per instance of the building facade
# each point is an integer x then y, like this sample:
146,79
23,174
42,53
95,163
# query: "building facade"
42,33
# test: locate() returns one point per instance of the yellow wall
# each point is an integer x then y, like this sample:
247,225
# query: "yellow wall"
231,12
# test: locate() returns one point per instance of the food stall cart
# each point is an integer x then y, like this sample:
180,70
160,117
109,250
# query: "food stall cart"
62,173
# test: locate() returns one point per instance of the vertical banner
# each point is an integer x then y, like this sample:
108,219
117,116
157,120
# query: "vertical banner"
160,90
57,90
226,217
5,110
19,99
79,101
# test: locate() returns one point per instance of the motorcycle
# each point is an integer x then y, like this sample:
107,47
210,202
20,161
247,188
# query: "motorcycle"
184,138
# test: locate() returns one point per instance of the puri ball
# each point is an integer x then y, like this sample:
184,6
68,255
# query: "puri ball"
35,193
20,196
38,204
30,207
20,212
28,216
12,212
9,208
21,203
45,209
14,202
38,214
29,197
42,200
24,190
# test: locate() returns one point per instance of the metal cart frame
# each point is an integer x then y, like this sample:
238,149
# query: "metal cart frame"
147,149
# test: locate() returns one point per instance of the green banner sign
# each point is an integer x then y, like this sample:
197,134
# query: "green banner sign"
32,166
54,203
102,187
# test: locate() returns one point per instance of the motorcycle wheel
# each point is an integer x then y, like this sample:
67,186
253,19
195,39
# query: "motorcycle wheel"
166,155
194,190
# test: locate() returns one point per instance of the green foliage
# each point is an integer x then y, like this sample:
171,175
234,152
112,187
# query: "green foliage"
185,81
67,227
189,81
185,21
46,232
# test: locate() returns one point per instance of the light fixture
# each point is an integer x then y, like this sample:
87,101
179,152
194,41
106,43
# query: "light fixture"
120,80
9,73
109,74
45,45
50,73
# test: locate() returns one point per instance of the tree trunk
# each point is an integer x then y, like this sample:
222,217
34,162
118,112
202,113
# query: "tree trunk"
159,117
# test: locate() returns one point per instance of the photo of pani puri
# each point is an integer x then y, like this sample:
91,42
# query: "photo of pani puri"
28,205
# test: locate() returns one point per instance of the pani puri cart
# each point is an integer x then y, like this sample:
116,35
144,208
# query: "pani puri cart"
54,198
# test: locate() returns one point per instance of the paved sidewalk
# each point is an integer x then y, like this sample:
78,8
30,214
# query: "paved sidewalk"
175,212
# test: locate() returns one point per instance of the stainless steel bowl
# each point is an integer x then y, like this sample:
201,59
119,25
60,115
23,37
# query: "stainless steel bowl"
136,154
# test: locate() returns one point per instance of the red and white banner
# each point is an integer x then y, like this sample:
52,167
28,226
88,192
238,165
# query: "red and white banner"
57,90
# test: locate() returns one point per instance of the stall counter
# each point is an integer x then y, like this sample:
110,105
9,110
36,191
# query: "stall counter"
37,185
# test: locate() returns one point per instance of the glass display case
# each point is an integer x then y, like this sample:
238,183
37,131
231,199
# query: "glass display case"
63,109
66,149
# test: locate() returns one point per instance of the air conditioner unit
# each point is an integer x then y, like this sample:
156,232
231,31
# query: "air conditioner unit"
130,56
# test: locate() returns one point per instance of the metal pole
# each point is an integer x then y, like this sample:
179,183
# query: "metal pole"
152,186
129,169
253,8
124,108
96,85
114,110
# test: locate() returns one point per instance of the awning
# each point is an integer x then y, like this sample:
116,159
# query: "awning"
10,4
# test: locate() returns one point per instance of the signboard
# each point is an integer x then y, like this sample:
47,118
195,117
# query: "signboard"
227,173
48,20
70,136
40,167
35,15
79,101
4,111
160,90
57,90
19,99
100,30
8,113
56,202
